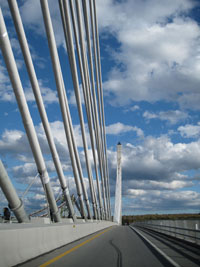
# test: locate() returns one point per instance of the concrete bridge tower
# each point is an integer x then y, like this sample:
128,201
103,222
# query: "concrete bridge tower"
118,189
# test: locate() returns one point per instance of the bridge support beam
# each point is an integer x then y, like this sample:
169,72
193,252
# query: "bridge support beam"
15,203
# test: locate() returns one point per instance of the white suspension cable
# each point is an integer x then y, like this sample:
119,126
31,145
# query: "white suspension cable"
72,61
82,66
99,141
99,100
78,163
101,92
62,100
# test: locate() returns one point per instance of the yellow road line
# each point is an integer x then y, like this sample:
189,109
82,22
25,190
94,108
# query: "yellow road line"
72,249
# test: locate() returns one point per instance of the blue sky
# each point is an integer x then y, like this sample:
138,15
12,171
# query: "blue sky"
150,60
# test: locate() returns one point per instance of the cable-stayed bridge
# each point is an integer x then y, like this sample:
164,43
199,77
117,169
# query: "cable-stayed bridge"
89,211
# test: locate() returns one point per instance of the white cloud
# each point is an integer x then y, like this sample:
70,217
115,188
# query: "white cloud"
150,11
29,170
136,192
158,48
151,170
156,185
158,51
49,96
72,97
15,45
168,201
25,170
189,100
135,107
58,132
120,128
149,115
190,131
34,20
171,116
7,93
14,142
157,159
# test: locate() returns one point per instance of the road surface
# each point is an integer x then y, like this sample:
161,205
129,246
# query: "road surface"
118,246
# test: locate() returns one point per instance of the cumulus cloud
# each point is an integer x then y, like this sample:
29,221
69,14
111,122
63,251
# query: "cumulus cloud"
25,170
157,159
157,175
157,57
137,11
58,132
7,94
190,131
120,128
14,142
132,108
34,20
156,185
72,97
153,169
169,201
29,170
171,116
158,51
49,96
189,101
135,107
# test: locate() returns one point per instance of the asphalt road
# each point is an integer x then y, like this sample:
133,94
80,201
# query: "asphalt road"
116,247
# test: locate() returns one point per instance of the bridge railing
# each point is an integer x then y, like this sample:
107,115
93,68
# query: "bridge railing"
188,230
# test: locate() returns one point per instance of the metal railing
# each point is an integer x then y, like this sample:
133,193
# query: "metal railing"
183,229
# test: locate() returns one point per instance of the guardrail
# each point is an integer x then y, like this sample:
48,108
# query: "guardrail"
188,230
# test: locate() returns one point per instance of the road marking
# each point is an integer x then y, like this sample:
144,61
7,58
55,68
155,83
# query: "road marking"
73,249
157,249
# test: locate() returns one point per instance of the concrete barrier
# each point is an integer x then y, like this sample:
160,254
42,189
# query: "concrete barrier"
22,242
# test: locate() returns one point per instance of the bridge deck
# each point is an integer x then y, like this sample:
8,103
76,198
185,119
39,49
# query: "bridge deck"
119,246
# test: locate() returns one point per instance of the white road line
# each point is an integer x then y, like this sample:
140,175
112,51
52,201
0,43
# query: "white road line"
157,249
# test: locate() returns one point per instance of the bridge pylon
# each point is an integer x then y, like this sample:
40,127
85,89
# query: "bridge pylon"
118,188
